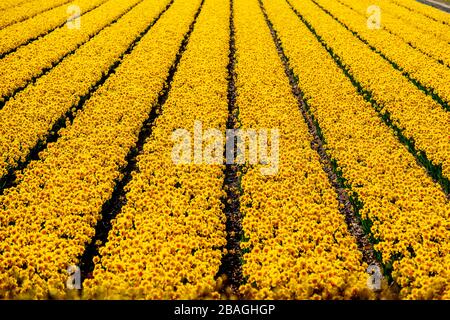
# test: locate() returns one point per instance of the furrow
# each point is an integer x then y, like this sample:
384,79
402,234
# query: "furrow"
36,114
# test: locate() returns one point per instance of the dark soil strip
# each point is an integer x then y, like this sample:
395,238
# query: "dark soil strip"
410,44
114,205
434,171
231,265
9,180
34,15
55,63
348,206
420,86
43,34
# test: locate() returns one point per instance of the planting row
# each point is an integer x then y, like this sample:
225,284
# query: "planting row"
419,21
49,218
296,241
27,10
166,243
425,10
421,118
428,44
21,33
26,64
404,211
30,116
6,4
432,75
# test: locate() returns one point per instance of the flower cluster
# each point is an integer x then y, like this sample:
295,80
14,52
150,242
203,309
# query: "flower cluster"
167,241
298,242
27,10
49,218
405,24
433,75
410,213
418,115
18,34
28,118
27,65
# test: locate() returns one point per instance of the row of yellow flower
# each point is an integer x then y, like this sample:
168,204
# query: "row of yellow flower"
26,64
7,4
48,219
422,40
410,213
419,115
167,241
27,10
413,19
425,10
430,73
28,117
298,242
18,34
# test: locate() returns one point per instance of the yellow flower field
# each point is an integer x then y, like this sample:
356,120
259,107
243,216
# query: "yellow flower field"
224,149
